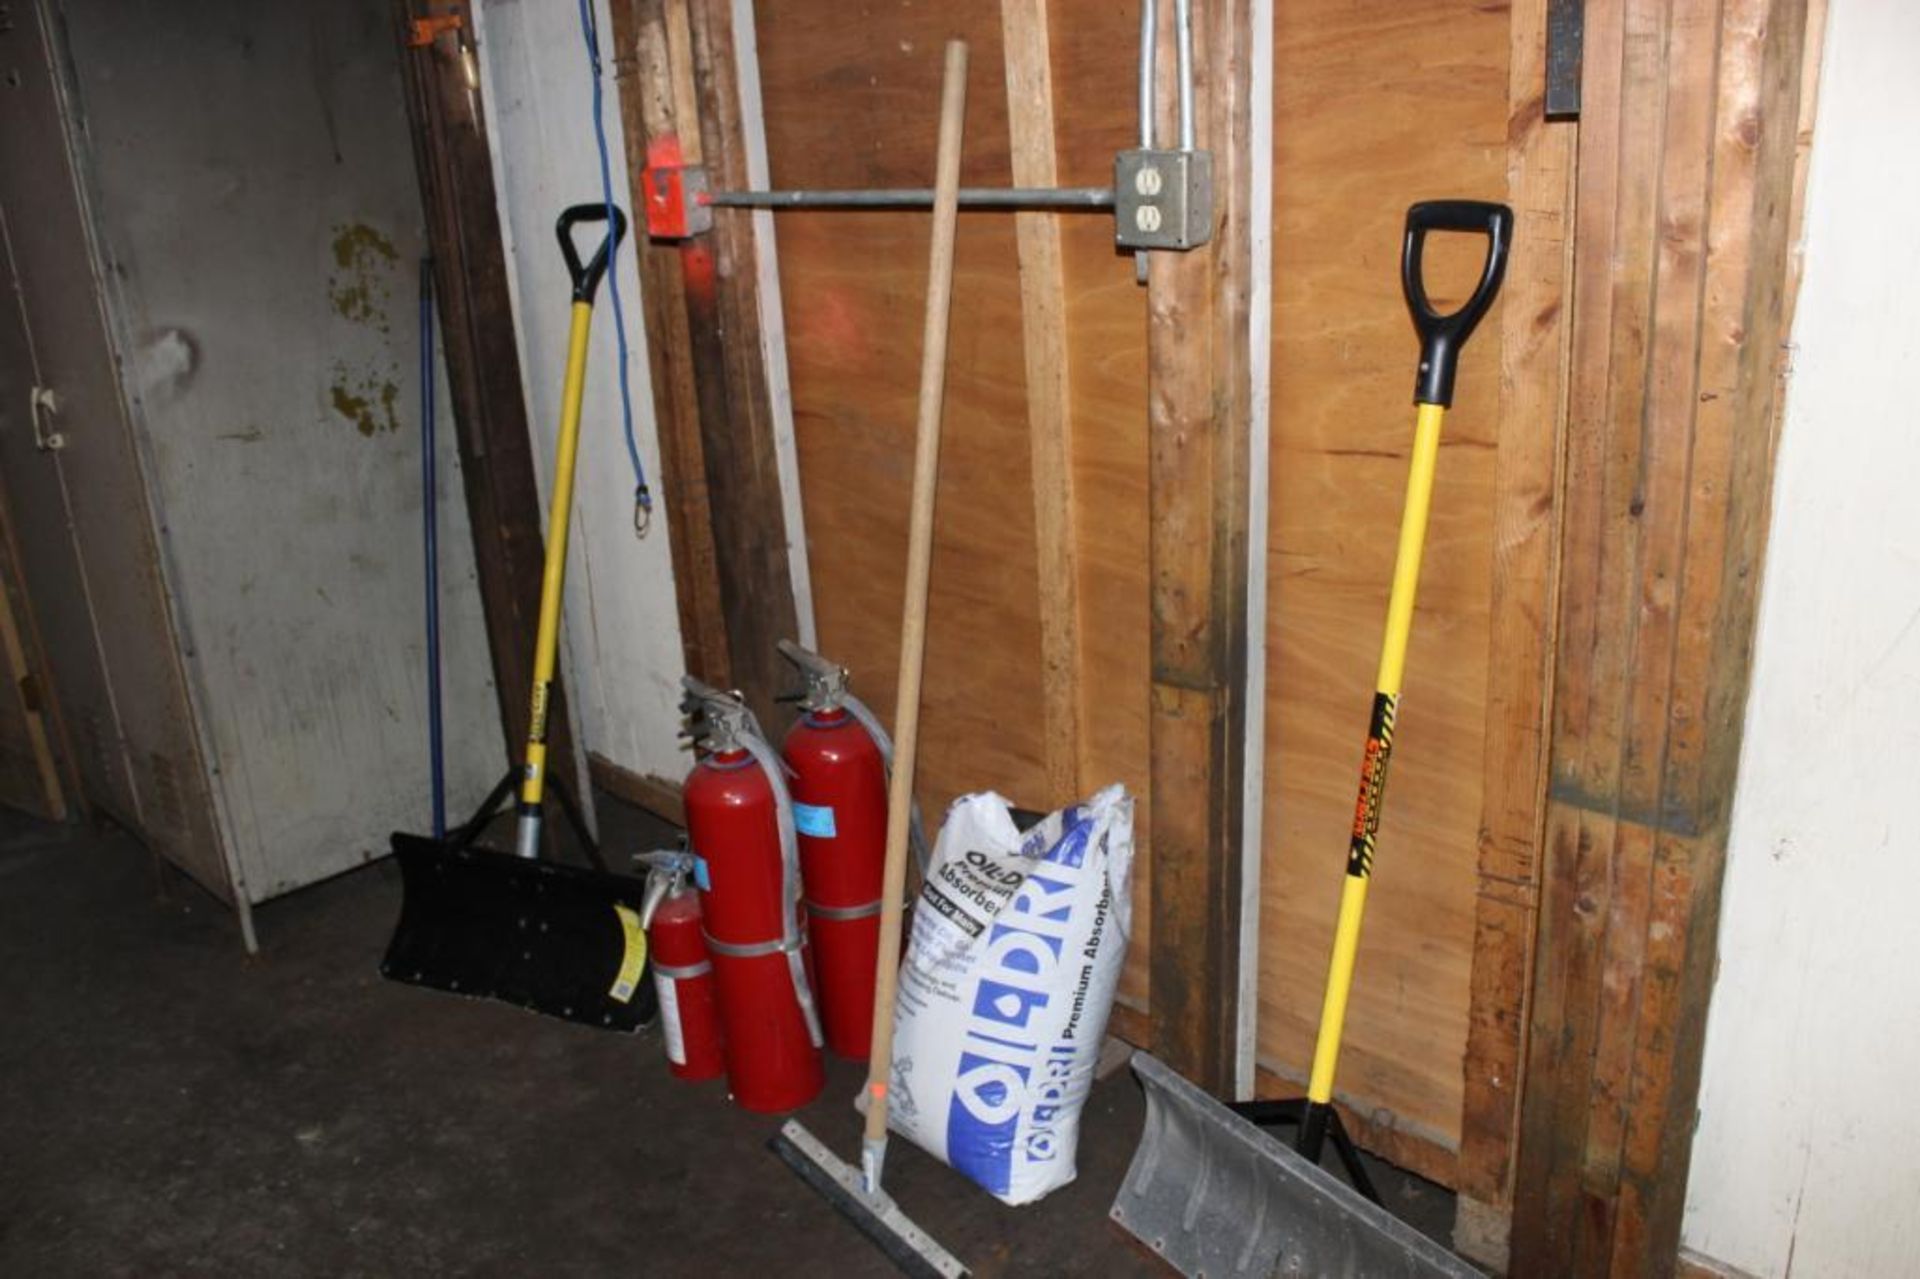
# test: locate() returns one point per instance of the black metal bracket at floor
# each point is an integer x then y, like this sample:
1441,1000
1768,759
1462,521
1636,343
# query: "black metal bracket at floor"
1327,1125
491,807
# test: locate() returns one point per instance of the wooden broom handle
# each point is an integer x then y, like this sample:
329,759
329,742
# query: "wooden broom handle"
913,622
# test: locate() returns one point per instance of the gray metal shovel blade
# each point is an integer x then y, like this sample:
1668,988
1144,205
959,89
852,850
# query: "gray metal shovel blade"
1216,1195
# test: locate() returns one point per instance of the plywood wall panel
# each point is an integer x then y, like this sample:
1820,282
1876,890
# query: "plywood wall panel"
854,104
1376,105
1094,46
853,363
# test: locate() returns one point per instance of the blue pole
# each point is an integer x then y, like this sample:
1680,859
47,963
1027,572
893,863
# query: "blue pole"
430,515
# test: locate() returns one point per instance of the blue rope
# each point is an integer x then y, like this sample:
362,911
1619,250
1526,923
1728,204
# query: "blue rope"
642,495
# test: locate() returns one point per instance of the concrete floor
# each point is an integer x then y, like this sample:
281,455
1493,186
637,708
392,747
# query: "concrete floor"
174,1107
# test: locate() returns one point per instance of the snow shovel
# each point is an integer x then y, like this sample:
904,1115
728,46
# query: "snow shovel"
556,939
1207,1186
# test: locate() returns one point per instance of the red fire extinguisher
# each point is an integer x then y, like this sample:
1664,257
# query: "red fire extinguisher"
746,866
682,969
839,757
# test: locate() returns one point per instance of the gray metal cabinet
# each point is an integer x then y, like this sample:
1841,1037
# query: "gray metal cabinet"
213,233
88,534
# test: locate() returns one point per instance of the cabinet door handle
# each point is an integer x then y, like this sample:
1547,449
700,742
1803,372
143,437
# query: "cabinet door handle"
42,403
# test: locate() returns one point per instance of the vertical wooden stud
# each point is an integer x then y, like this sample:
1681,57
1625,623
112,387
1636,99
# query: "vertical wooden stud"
483,370
736,419
1520,660
653,70
1687,159
1199,408
704,329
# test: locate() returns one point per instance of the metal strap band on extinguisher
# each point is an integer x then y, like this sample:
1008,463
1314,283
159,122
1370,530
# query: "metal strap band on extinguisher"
684,972
751,949
865,910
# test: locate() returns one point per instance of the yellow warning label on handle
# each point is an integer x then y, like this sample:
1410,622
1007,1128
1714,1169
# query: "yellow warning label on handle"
633,958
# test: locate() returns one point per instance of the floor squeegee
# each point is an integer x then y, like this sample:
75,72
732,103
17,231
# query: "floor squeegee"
856,1192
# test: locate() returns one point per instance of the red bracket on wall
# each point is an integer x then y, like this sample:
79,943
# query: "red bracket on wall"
675,193
424,31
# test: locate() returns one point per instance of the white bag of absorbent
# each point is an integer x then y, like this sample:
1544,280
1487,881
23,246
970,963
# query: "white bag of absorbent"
1009,975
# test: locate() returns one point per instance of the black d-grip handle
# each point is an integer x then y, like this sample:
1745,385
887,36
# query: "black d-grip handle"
1443,336
586,279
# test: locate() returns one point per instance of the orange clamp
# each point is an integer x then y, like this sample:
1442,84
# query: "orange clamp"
424,31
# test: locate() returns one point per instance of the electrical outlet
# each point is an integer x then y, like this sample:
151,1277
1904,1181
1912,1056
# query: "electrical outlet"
1162,199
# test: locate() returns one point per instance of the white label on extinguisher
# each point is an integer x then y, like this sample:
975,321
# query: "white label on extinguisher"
669,992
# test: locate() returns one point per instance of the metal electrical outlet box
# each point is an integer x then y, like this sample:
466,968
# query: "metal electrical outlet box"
1162,199
676,201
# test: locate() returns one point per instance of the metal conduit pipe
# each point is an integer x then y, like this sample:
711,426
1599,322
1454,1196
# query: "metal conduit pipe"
1149,29
1061,199
918,198
1183,62
1183,52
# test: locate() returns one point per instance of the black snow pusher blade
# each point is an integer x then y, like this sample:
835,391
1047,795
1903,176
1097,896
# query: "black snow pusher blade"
556,939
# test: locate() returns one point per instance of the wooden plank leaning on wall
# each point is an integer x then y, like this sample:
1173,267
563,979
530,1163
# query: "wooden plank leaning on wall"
1687,165
1043,299
37,772
483,369
675,62
1199,409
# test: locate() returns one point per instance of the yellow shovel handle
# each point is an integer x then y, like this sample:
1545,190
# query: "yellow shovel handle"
553,578
1373,764
585,276
1442,337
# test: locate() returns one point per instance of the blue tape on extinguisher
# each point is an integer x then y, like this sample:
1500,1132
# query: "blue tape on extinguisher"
815,821
701,879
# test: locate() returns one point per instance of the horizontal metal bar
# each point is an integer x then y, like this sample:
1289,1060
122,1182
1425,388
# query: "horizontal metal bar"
918,198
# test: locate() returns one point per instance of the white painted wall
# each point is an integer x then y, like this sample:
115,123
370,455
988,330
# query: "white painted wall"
1807,1156
621,632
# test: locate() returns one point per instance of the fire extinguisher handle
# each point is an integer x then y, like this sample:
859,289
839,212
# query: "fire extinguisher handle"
667,871
826,681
